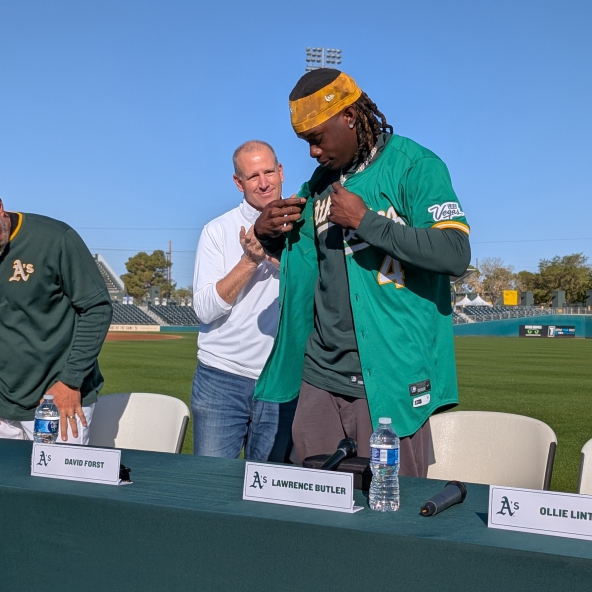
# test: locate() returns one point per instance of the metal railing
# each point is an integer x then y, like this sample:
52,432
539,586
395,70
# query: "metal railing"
572,310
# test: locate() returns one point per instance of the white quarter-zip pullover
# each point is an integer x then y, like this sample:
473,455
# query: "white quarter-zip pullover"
235,338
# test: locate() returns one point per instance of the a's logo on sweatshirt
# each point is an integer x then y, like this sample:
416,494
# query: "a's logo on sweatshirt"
22,271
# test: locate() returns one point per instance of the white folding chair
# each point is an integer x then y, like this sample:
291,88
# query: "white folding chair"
492,448
585,476
142,421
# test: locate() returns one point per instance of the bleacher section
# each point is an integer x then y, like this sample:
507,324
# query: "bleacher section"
457,319
114,284
176,315
130,314
494,313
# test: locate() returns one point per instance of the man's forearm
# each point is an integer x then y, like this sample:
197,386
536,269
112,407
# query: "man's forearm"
445,251
91,329
230,286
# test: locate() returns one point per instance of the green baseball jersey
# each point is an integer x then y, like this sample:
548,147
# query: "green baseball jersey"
401,313
55,311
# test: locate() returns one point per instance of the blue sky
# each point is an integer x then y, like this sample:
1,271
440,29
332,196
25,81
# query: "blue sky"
124,114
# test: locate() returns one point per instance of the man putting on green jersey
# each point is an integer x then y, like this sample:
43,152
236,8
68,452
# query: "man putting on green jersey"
367,245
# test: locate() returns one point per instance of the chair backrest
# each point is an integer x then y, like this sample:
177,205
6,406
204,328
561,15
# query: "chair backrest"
492,448
142,421
585,477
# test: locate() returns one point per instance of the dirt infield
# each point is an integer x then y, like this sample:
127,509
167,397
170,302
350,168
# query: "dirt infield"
132,336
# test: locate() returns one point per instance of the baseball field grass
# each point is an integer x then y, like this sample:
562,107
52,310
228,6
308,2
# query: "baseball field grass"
548,379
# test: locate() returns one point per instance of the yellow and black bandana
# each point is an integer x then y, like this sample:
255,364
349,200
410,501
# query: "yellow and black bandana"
317,108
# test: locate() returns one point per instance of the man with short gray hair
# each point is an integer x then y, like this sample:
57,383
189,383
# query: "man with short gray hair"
235,296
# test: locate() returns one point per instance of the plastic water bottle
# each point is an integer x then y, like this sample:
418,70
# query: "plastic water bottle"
47,421
384,462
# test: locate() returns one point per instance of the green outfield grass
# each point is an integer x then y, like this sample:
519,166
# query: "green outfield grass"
165,367
548,379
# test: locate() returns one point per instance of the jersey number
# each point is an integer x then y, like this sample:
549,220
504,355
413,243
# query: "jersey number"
391,273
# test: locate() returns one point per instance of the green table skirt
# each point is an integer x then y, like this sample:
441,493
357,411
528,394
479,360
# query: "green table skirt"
183,525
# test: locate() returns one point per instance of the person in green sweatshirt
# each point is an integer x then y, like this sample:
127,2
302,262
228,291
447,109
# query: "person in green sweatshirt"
367,247
55,312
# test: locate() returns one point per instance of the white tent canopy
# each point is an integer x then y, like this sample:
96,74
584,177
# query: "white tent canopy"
464,302
479,302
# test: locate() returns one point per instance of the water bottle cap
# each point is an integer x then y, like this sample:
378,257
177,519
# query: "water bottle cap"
48,397
384,420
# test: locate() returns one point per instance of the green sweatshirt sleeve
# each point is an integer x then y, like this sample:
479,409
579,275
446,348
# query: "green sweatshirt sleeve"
82,283
444,251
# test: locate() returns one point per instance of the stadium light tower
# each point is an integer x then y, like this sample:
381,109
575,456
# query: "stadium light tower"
319,57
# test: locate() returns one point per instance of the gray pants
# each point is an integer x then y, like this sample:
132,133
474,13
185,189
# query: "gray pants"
324,418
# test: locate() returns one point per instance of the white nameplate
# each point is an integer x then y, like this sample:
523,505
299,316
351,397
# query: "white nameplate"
76,463
542,512
297,486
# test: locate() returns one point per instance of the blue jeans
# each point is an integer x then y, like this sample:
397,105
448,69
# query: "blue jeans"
225,417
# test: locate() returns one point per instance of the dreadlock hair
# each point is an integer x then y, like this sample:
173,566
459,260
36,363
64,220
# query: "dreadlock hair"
368,126
370,121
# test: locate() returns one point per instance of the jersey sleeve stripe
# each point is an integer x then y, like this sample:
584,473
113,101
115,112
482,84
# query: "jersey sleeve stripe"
18,226
452,224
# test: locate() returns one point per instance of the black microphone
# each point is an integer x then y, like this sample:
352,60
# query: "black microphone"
454,492
345,449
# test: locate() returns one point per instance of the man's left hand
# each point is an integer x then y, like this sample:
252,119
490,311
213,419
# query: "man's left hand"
347,208
68,402
251,246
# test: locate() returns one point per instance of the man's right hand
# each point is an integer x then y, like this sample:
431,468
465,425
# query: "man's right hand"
251,246
278,217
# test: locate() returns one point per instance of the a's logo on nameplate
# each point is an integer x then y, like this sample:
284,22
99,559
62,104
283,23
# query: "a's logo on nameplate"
542,512
76,463
297,486
506,506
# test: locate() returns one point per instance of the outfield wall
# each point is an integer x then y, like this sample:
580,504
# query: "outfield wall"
155,328
509,327
141,328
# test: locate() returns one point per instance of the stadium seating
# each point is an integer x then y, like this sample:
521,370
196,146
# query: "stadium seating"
172,314
114,284
141,421
457,319
506,311
130,314
585,477
492,448
111,287
493,313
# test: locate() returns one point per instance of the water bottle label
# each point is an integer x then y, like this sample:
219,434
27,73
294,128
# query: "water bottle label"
384,456
46,426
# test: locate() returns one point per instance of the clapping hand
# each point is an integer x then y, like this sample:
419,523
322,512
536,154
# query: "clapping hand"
252,248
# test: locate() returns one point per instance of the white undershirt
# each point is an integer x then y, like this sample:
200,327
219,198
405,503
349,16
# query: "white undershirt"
236,338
